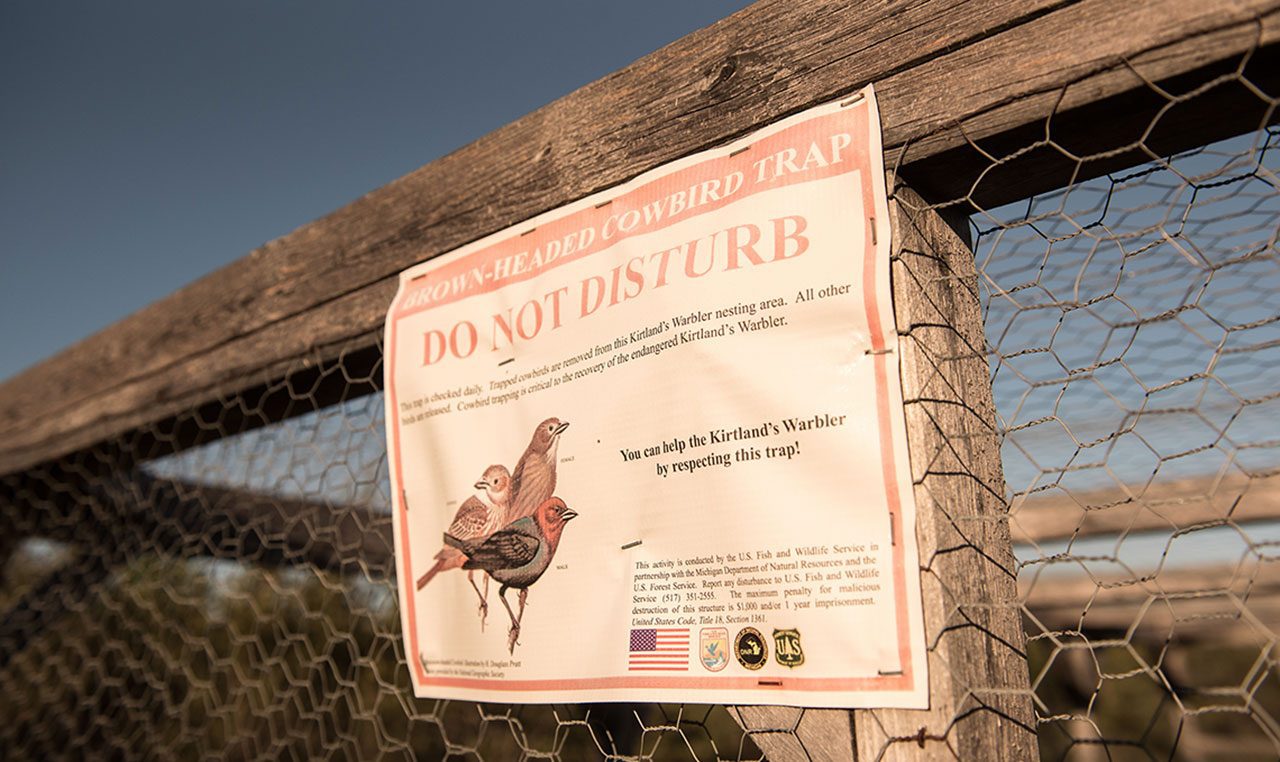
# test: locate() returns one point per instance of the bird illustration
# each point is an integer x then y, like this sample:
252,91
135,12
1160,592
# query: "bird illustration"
518,554
534,478
476,520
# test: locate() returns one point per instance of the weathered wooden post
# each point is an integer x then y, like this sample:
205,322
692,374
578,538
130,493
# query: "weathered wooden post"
980,698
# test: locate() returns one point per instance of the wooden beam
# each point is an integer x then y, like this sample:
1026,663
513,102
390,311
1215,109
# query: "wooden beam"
1224,604
1052,118
979,692
980,698
129,515
949,73
1165,506
110,523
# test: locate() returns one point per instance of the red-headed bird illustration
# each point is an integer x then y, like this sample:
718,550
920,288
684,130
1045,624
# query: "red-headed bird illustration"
534,480
518,554
475,521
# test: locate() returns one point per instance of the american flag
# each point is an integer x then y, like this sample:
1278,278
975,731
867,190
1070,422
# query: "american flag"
662,649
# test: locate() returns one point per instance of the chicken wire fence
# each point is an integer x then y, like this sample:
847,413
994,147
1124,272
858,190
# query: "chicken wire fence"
221,585
1135,349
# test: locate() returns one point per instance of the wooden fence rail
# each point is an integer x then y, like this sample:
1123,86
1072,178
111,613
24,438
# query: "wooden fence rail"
1160,506
1000,70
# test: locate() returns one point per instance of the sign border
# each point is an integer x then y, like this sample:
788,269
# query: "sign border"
876,242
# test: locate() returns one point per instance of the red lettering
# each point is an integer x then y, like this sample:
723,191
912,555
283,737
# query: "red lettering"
781,237
736,246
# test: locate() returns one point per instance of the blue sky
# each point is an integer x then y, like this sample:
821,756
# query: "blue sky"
145,144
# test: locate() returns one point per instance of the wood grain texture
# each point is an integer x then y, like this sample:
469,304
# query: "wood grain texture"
948,73
1027,116
786,733
980,697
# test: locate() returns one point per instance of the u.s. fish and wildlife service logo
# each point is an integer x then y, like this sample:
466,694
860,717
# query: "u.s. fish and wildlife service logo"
787,649
750,648
713,648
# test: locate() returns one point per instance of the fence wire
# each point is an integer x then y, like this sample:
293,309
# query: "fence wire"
235,599
1134,324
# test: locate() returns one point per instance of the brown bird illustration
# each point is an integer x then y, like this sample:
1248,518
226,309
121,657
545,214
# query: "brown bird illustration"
476,520
534,478
518,554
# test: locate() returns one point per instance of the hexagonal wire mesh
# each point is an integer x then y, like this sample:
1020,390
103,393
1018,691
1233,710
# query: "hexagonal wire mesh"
1134,331
221,585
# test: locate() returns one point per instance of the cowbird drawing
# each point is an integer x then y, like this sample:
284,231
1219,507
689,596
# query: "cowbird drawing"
518,554
475,520
534,478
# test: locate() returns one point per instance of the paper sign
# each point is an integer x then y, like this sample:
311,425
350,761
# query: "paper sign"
650,446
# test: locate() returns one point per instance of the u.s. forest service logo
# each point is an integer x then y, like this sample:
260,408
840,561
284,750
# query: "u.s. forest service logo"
713,648
786,648
750,648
